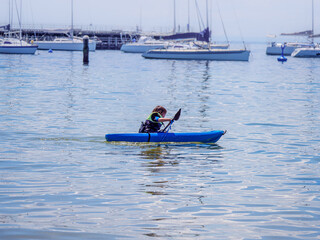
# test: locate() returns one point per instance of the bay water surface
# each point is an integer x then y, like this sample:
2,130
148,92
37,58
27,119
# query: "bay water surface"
60,179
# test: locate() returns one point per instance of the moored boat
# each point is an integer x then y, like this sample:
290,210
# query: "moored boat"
12,42
194,137
144,44
16,46
275,48
307,52
199,54
65,44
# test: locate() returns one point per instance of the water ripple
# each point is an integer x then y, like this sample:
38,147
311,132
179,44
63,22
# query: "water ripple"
59,179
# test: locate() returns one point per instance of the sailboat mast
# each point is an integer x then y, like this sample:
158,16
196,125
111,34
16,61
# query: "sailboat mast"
174,16
71,18
140,17
207,13
188,26
10,18
312,20
20,31
9,11
207,7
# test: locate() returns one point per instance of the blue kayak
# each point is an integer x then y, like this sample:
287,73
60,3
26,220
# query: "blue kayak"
196,137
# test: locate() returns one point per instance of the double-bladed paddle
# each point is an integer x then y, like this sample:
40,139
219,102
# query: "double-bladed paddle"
175,118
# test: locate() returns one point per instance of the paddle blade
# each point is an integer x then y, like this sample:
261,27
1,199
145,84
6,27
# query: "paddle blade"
177,116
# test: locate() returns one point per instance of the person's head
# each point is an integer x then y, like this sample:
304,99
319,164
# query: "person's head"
161,110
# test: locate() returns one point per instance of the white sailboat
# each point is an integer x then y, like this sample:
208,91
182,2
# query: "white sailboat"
177,40
15,45
199,53
290,47
312,52
69,43
146,44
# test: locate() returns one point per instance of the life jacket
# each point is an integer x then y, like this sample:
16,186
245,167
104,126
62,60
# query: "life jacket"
150,125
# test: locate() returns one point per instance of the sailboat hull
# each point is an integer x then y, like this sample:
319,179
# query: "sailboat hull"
18,49
306,53
196,54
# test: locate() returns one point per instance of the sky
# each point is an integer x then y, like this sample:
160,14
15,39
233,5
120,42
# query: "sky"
241,18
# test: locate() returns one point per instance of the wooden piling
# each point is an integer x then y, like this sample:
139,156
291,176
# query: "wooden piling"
86,49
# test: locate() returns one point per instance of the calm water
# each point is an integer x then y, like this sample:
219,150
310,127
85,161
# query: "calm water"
59,179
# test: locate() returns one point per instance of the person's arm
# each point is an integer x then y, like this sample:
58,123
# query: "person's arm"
162,119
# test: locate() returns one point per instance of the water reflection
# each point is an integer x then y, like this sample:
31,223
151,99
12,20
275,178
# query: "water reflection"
190,80
163,164
69,87
15,88
160,155
196,79
205,91
312,101
161,161
173,172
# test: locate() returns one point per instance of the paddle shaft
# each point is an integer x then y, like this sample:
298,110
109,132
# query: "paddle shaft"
167,126
175,118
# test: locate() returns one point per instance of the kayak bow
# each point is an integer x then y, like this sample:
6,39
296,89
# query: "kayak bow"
196,137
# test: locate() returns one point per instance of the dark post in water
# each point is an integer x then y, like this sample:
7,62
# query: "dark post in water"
86,50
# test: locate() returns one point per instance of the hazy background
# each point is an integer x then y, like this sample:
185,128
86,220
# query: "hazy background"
247,18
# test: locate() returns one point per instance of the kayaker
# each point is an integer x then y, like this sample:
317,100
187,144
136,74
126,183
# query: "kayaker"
155,120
